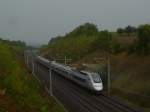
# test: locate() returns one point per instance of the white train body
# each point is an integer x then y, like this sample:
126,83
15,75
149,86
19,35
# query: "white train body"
86,79
89,80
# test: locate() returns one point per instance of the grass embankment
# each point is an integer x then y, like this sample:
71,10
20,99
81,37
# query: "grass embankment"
19,91
131,79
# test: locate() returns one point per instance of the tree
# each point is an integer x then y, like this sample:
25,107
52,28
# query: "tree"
103,41
144,38
87,29
120,30
130,29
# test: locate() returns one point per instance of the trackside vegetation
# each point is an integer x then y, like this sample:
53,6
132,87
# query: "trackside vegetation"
86,39
129,50
18,86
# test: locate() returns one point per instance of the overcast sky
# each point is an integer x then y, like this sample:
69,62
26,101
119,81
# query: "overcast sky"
36,21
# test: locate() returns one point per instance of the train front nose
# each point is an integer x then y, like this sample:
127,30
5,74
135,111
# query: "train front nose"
98,87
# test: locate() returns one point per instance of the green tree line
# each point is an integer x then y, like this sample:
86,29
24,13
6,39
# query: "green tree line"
87,38
14,43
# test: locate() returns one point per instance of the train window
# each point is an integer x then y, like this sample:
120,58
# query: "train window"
43,64
79,79
82,73
96,78
63,71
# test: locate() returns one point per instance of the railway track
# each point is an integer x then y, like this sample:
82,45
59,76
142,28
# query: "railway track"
120,105
80,99
102,102
77,99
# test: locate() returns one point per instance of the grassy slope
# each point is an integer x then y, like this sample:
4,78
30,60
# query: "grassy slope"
132,68
22,90
131,78
130,72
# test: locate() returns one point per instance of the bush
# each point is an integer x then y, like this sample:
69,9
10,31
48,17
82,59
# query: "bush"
127,30
6,60
144,39
132,48
21,88
102,42
117,48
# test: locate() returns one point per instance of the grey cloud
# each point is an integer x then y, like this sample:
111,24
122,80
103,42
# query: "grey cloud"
35,21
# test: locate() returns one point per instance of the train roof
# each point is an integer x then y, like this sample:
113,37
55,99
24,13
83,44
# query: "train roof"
87,72
43,59
61,65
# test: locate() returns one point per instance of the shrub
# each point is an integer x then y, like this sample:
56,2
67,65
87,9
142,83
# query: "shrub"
19,87
144,39
117,47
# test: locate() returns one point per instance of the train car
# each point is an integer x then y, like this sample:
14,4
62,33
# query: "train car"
43,61
61,69
89,80
95,81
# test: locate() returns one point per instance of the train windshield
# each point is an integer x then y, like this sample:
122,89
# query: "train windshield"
96,77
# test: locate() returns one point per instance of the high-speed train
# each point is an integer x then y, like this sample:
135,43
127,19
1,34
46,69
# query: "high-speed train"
89,80
43,61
